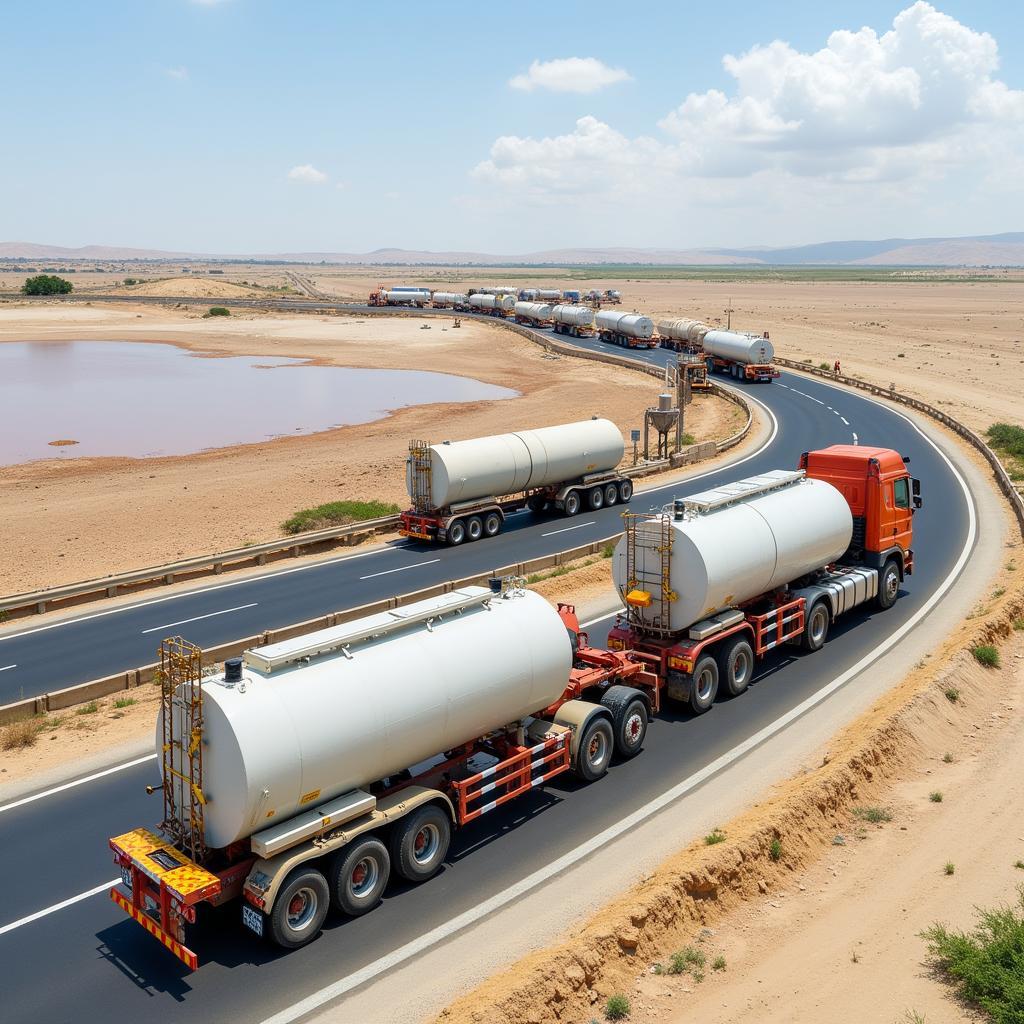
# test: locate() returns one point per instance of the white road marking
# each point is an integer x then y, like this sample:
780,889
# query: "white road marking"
566,529
855,439
204,590
197,618
76,782
845,420
57,906
401,568
563,863
6,667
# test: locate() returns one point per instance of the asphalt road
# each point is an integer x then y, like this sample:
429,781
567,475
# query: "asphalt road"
87,959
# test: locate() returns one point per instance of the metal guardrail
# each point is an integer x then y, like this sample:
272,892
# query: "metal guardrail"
39,601
81,693
1002,478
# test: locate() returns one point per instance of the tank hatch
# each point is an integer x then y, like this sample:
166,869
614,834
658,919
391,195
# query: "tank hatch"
741,490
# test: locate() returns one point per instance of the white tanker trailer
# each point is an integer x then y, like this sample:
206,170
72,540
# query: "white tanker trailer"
449,300
763,561
418,297
745,356
575,321
549,294
536,313
630,330
308,771
495,305
457,487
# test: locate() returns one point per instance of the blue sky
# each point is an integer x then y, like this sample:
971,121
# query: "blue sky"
175,124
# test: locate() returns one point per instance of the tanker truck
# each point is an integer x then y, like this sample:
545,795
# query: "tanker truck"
575,321
630,330
533,314
463,490
720,578
492,305
406,296
449,300
742,356
308,772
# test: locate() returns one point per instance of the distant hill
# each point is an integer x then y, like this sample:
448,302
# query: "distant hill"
1004,250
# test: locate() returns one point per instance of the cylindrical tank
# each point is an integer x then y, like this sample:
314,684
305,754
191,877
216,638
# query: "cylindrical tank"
528,294
533,310
406,298
548,293
449,299
677,330
503,289
408,288
576,316
275,744
741,348
632,325
503,302
696,332
508,463
722,558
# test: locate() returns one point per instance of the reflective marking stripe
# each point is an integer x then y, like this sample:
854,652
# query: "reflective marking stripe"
185,955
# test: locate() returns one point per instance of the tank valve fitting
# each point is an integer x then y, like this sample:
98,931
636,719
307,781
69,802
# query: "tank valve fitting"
678,506
233,670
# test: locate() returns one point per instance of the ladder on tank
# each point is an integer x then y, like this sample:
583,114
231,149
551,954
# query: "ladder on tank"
181,747
419,475
649,569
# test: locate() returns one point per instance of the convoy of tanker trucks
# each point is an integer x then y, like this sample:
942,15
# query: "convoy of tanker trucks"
307,773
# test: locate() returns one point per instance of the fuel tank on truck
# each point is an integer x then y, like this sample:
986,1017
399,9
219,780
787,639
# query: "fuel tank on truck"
751,349
508,463
576,316
677,330
734,543
533,310
632,325
291,734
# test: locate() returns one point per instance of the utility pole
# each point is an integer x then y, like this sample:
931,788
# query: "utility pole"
729,312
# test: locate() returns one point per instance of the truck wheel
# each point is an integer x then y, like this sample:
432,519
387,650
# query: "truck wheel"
611,495
595,499
736,665
535,503
888,585
300,908
456,533
625,490
419,843
492,524
474,528
572,503
816,627
629,718
357,876
704,685
595,750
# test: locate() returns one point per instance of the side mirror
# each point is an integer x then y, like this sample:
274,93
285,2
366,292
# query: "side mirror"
918,502
915,486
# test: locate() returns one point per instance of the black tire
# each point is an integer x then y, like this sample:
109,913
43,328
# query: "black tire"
419,843
704,684
816,627
736,665
611,495
572,503
456,533
535,503
357,876
888,584
492,524
474,528
594,753
595,499
300,909
625,490
629,718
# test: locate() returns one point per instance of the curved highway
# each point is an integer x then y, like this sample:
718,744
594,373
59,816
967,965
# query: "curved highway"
66,947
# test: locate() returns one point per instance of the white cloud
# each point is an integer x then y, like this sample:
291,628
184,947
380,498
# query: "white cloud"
179,73
905,109
569,74
306,174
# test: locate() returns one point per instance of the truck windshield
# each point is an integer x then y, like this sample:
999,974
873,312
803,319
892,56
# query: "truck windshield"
901,492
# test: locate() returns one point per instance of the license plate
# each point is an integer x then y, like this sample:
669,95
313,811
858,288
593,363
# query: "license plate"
126,878
252,919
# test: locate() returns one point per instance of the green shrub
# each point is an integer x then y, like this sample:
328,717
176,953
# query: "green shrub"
1007,437
124,702
824,366
947,758
687,439
46,284
986,964
775,849
876,815
1018,624
87,709
19,734
987,655
950,868
219,311
337,513
718,964
936,797
681,962
608,550
617,1007
713,837
952,694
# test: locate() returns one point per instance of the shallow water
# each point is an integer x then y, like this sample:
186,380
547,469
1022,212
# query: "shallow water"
141,399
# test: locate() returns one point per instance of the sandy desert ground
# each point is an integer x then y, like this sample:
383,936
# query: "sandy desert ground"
67,519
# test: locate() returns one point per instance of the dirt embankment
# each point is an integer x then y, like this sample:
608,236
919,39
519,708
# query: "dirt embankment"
75,518
949,705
